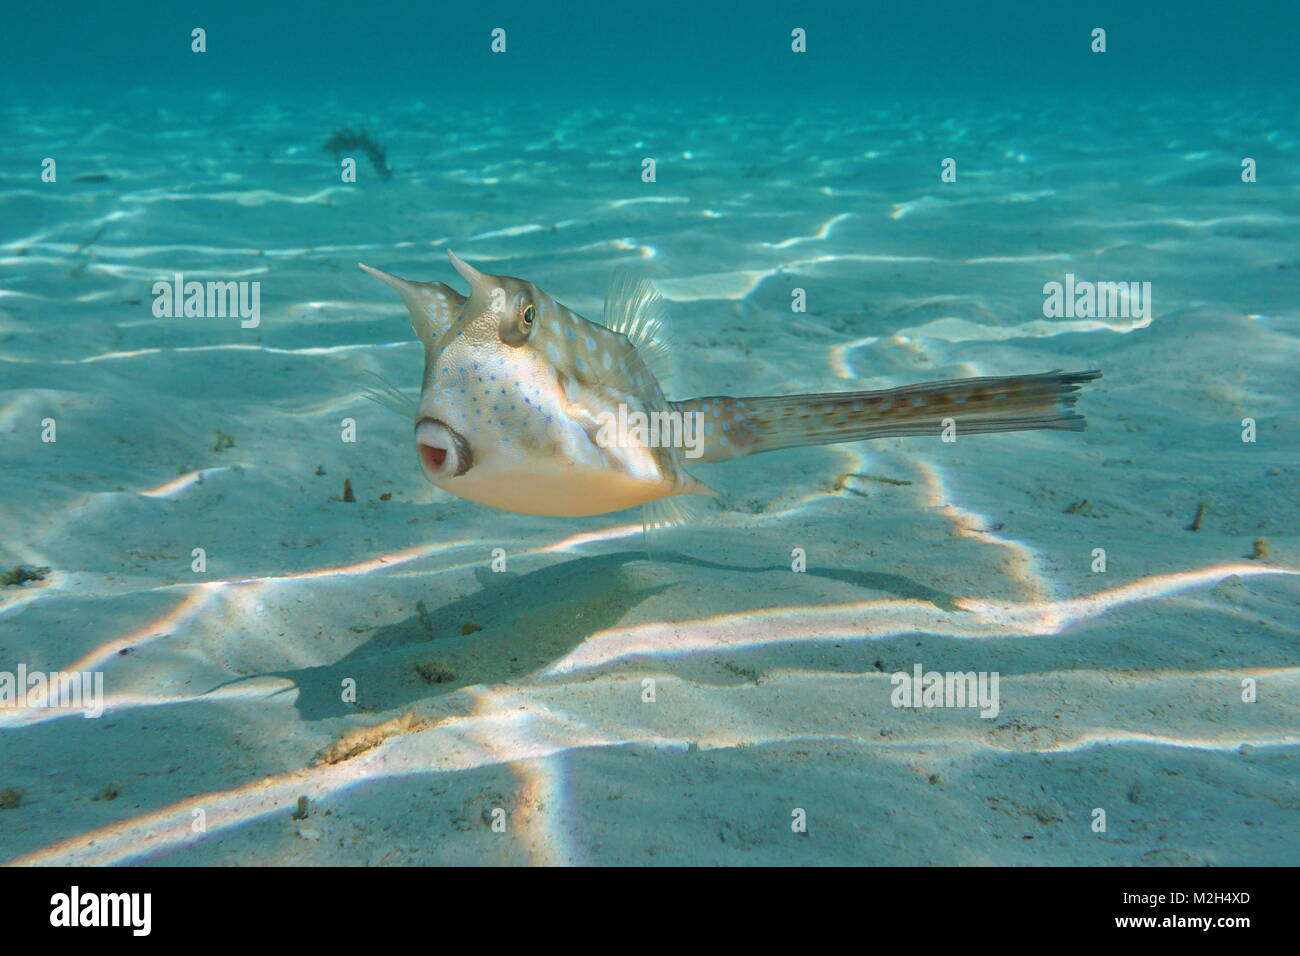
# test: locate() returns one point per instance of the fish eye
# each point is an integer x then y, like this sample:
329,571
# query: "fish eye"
516,328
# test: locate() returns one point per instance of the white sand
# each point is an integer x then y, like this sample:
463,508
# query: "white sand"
1120,690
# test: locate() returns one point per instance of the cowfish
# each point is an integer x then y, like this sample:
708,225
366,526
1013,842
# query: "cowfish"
522,398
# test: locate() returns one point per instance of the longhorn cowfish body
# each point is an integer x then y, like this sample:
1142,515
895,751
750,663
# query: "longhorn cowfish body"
515,390
517,387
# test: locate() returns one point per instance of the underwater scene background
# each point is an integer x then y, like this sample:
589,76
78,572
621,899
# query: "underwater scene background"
295,639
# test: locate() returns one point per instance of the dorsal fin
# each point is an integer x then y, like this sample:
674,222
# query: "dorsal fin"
634,307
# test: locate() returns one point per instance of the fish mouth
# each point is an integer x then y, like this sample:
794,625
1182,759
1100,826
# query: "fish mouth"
444,452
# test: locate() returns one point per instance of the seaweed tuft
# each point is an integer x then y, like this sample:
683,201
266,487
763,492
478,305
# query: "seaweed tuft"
347,140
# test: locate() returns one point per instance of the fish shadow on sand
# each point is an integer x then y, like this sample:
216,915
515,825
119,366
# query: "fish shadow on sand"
522,623
896,584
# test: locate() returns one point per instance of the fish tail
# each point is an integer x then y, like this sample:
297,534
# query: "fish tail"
734,427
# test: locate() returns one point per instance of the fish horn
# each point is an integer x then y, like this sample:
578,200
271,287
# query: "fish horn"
471,275
432,305
397,282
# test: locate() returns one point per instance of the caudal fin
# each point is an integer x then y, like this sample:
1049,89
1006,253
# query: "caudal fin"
746,426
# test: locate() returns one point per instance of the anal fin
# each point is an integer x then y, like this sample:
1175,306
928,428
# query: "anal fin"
668,523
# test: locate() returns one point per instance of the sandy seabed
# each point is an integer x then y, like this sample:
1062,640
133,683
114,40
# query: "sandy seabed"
525,691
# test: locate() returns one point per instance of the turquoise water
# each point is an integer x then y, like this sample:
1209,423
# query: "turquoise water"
450,683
